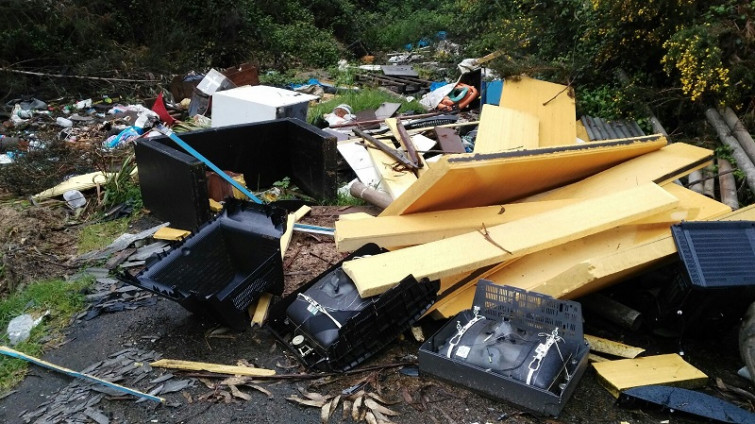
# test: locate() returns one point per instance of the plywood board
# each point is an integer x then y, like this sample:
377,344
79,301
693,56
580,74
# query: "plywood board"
171,234
425,227
664,165
669,369
594,262
467,252
553,105
599,344
502,129
472,180
392,181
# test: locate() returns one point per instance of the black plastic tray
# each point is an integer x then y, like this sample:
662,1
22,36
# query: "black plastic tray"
376,322
532,314
224,267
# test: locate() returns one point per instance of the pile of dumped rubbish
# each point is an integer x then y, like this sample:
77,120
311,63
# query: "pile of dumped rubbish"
502,213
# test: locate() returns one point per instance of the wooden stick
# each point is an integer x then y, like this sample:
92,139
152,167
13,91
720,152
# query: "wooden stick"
216,368
5,350
740,133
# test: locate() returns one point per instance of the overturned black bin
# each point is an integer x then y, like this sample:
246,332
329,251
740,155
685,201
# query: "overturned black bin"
174,184
328,326
224,267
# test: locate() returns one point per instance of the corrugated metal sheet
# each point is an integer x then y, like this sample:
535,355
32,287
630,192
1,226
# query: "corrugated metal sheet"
599,129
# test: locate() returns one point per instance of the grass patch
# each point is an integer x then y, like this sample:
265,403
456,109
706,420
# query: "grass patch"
361,100
97,236
63,299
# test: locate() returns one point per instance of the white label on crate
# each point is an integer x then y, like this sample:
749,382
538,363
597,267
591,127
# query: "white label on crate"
462,352
312,309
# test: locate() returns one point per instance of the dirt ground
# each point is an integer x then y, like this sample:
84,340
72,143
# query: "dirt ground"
38,236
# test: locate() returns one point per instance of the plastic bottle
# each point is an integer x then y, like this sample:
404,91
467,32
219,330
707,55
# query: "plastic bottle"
63,122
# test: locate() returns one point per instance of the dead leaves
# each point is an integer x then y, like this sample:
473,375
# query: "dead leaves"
361,406
218,392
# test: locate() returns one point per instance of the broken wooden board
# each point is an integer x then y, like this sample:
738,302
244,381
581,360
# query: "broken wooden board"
425,227
171,234
661,166
594,262
502,129
394,182
472,180
454,255
216,368
292,219
599,344
553,105
582,131
668,369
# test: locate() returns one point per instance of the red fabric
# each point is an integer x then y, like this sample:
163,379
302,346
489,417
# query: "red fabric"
161,111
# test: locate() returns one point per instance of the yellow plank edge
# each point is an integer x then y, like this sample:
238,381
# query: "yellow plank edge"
661,166
425,227
259,309
669,369
466,252
394,182
215,206
599,344
594,262
473,180
292,218
503,129
553,104
216,368
171,234
582,131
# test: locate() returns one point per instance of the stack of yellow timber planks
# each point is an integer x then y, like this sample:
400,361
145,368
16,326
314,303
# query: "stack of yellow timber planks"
378,273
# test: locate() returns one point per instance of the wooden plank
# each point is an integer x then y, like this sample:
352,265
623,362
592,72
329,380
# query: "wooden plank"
472,180
599,344
594,262
553,105
292,218
393,125
668,369
503,129
425,227
582,131
258,310
171,234
394,182
216,368
375,274
665,165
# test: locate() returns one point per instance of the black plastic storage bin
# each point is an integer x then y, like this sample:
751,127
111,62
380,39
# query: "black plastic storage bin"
717,281
491,348
224,267
307,321
264,152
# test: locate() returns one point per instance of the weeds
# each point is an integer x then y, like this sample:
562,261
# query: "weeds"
361,100
121,187
63,300
97,236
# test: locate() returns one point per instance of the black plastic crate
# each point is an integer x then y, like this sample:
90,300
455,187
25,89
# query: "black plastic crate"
716,281
224,267
329,327
523,347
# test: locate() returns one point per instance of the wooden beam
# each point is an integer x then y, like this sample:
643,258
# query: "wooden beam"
503,129
668,369
553,105
594,262
661,166
425,227
216,368
466,252
472,180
